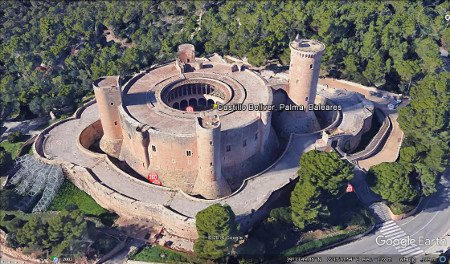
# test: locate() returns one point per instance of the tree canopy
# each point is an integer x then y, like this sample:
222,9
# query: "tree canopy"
215,227
57,233
425,122
322,177
391,181
51,51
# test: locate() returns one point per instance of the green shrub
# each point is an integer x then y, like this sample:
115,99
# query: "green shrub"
5,159
15,136
399,208
319,244
159,254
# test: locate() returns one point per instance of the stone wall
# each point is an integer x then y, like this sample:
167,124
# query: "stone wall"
82,178
175,156
128,207
91,134
303,76
375,143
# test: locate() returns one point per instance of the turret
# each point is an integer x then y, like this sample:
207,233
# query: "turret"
108,96
210,182
186,53
304,70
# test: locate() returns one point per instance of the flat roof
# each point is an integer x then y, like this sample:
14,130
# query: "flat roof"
307,45
140,98
108,81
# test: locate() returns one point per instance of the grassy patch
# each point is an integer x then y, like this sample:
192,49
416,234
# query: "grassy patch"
320,243
12,148
159,254
69,194
398,208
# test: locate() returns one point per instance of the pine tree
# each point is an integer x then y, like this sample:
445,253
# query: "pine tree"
391,181
322,177
215,225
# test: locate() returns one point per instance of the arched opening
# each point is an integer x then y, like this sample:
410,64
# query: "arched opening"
193,94
202,102
183,104
193,102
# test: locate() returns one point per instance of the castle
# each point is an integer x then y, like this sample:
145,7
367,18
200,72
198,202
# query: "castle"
180,136
165,121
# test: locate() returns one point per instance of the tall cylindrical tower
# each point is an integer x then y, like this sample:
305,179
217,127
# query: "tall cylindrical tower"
304,70
186,53
210,182
108,96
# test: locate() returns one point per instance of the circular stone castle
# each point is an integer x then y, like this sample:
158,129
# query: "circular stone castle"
180,136
202,126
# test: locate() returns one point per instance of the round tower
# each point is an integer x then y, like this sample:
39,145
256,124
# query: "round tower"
304,70
108,96
186,53
209,182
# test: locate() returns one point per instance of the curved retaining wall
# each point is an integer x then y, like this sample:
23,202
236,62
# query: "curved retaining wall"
375,143
405,215
38,146
110,199
173,221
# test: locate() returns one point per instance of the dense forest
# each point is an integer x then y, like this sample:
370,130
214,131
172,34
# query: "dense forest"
51,51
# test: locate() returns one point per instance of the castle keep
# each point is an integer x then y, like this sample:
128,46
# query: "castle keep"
208,131
164,121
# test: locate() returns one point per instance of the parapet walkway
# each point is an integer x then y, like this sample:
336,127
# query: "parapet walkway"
60,144
391,148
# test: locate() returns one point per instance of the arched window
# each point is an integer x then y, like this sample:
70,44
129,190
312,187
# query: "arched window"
202,102
193,102
183,104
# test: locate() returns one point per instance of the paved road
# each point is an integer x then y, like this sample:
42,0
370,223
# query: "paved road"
431,222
